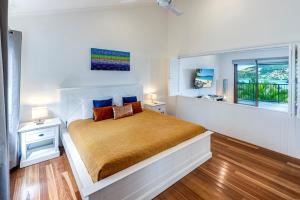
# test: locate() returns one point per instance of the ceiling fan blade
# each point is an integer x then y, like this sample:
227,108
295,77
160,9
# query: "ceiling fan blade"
174,10
127,1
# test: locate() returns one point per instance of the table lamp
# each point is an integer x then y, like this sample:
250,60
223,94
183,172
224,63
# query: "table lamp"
38,114
153,97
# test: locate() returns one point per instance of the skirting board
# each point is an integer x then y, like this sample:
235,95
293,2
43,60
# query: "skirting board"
146,179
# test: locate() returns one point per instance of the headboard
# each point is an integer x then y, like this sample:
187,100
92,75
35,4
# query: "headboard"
74,100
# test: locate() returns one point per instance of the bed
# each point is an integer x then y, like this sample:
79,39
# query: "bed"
140,172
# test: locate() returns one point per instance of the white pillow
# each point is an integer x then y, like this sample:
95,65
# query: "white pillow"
87,109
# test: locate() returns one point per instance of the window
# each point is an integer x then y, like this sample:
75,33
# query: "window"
262,83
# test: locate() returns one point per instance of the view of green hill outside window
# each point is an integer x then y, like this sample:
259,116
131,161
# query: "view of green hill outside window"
272,83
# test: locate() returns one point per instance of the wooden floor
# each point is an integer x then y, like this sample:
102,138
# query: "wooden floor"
51,179
237,171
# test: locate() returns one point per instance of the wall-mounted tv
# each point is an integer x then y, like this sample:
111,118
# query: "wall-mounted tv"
204,78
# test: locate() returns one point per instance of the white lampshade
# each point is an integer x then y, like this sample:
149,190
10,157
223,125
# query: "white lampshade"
153,96
39,112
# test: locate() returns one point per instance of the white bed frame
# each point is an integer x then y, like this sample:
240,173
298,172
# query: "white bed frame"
144,180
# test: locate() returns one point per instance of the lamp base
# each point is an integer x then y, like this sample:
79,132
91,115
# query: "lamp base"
39,122
154,102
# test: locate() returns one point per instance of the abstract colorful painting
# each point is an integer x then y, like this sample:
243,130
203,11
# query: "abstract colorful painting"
102,59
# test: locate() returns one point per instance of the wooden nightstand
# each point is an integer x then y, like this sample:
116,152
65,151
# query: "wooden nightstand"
157,107
39,142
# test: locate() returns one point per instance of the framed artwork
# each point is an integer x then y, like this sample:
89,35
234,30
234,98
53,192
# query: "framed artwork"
204,78
102,59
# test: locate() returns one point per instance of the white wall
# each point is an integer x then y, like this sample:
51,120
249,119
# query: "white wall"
270,129
56,50
210,25
214,25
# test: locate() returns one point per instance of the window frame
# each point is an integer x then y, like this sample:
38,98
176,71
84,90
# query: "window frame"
257,83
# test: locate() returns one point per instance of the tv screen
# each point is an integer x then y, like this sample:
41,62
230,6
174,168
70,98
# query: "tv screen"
204,78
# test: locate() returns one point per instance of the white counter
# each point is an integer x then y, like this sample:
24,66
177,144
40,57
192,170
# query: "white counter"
274,130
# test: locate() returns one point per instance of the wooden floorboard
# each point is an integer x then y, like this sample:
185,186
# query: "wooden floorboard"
51,180
237,170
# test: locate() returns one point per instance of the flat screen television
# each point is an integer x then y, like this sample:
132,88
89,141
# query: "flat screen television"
204,78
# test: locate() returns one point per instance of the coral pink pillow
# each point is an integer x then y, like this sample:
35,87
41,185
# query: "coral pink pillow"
103,113
136,106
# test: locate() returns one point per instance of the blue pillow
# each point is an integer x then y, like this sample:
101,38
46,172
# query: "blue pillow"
129,99
102,103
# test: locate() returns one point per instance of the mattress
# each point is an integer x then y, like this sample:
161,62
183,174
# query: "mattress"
109,146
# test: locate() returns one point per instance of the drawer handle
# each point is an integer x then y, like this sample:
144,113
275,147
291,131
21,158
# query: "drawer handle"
41,135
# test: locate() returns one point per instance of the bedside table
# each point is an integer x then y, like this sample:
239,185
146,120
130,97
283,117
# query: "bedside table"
39,142
157,106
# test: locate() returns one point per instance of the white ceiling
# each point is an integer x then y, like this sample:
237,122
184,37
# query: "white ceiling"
42,6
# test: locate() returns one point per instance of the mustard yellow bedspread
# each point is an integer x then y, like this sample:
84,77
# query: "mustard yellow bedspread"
109,146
